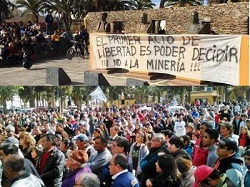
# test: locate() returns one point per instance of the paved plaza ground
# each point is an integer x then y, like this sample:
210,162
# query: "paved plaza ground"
75,68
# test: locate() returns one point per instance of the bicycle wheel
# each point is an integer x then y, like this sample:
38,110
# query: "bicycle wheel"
70,53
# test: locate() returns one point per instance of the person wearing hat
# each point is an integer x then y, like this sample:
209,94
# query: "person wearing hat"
87,180
75,163
207,176
229,161
82,143
189,129
84,128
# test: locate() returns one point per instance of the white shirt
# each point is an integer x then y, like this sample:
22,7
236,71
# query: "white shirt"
179,128
117,174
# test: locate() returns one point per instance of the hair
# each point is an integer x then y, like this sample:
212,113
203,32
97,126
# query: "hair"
168,133
122,142
103,140
168,165
186,138
67,143
159,137
213,134
122,160
183,164
99,131
207,125
10,149
15,162
50,137
214,175
28,139
38,150
177,141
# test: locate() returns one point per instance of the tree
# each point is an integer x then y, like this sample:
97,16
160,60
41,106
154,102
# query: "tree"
182,3
5,8
6,94
32,7
142,4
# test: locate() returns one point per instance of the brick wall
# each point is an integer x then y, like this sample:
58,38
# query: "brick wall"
225,18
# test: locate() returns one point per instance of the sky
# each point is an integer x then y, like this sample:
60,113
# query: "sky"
157,2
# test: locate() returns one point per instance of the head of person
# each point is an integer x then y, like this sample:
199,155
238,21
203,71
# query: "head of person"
186,140
226,129
189,127
26,140
76,159
227,147
66,144
246,156
97,132
81,140
87,180
243,116
144,18
10,130
8,149
36,152
104,16
204,125
13,166
120,145
157,140
118,163
100,144
210,137
183,164
176,143
166,165
59,127
140,137
114,131
168,134
48,141
206,176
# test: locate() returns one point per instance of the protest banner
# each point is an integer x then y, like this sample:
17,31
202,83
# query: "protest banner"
215,58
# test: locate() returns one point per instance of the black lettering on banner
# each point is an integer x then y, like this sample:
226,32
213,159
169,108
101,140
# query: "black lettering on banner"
100,42
160,39
117,62
124,40
145,51
134,64
173,51
171,65
215,54
190,40
105,63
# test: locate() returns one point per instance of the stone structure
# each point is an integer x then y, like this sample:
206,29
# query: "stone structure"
225,18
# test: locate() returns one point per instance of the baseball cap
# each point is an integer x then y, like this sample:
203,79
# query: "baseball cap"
244,114
229,143
81,137
88,179
10,128
79,155
10,141
227,125
201,173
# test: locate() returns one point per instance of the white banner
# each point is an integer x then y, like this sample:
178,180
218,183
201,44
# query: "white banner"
201,57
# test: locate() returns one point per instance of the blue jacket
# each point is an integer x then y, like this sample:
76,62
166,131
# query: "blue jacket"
126,179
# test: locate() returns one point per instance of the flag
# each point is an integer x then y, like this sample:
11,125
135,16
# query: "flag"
98,94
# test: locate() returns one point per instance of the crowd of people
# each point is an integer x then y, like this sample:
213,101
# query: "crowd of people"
200,145
16,37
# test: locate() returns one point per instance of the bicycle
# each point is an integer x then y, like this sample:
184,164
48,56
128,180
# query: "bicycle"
74,50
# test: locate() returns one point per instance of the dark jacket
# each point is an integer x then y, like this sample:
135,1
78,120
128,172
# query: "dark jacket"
181,154
53,171
148,163
163,181
230,162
